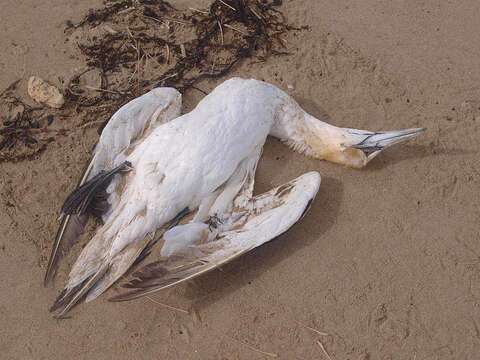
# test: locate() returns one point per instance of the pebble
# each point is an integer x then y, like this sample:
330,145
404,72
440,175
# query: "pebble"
44,93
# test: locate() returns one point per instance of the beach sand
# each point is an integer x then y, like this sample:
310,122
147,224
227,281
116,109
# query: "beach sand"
386,265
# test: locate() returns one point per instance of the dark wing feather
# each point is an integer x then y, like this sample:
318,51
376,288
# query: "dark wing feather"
71,228
85,196
159,275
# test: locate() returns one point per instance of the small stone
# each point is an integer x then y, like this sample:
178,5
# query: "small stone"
44,93
290,87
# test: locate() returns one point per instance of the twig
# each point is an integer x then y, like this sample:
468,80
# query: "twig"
235,29
199,11
230,6
125,10
167,306
213,65
318,332
167,77
130,33
314,330
106,90
198,89
183,51
221,30
323,349
148,56
47,131
139,63
254,13
152,18
272,355
133,74
90,124
176,20
168,54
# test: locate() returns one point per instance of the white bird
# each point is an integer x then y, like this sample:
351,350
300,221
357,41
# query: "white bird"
186,183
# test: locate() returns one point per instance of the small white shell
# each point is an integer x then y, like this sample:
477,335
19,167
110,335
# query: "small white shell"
44,93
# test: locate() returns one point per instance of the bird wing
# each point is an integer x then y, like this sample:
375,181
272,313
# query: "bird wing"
123,132
258,221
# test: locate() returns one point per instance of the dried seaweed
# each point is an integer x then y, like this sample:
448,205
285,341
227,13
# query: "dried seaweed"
158,45
20,134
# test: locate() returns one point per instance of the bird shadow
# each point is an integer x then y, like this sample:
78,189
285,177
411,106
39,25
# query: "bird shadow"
212,287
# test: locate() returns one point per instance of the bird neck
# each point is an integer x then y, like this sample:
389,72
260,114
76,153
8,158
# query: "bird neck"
316,138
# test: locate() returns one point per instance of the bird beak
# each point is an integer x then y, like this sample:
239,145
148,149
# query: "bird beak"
375,143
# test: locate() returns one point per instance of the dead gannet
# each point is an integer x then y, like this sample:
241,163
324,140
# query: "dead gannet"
188,180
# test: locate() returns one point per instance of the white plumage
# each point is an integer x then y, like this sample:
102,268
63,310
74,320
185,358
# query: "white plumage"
203,161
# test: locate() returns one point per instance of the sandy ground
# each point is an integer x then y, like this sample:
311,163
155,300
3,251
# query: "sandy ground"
388,260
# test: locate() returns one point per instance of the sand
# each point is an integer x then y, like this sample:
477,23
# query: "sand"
387,262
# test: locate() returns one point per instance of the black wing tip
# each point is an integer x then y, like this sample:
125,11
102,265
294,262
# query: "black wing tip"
84,197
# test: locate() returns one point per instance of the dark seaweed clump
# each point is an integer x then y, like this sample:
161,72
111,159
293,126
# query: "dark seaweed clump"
22,134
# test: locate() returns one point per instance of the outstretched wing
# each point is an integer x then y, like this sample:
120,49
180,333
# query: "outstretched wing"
260,220
126,128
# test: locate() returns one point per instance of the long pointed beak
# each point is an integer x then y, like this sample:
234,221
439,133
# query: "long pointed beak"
374,143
